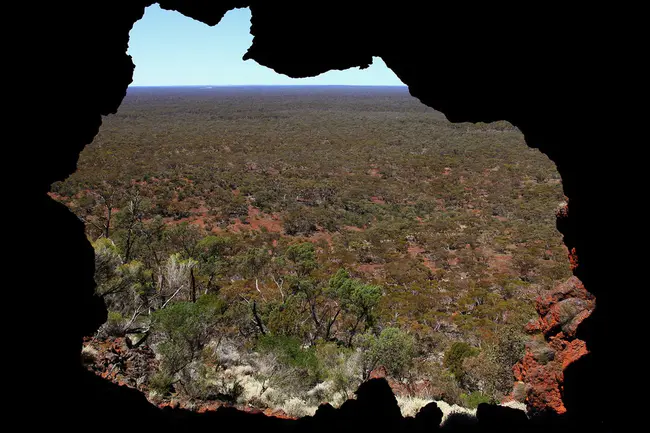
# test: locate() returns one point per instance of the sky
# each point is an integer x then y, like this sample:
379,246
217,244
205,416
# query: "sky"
169,49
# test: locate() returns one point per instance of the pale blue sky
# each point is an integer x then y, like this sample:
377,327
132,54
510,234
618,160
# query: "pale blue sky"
170,49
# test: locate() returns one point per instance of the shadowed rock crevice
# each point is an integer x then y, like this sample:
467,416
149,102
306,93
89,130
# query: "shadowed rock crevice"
471,64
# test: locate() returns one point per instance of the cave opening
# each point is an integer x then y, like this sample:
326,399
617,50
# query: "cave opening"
385,209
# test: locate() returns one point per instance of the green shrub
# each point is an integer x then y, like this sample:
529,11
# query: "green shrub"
491,371
183,329
394,349
299,222
114,326
455,356
475,398
289,351
161,383
303,256
286,318
340,365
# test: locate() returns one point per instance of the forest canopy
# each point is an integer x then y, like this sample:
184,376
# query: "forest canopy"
302,239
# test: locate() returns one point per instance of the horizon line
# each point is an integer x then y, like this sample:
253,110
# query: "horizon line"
267,85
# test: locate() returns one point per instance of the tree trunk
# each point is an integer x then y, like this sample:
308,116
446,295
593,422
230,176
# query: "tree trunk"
353,331
108,222
192,285
258,321
329,325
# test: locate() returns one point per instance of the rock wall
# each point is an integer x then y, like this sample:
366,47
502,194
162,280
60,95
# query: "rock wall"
553,346
558,74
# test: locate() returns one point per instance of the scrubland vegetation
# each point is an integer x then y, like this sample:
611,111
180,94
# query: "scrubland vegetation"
274,246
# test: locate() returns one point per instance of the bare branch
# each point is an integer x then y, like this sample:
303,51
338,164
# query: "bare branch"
135,316
172,297
279,284
257,286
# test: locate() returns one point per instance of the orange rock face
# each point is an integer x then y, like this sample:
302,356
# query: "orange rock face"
553,346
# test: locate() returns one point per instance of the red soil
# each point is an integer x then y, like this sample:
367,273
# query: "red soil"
415,250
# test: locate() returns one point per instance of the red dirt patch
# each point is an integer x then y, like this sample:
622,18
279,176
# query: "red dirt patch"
377,200
429,264
201,210
354,228
258,219
200,221
237,226
321,235
415,250
500,262
255,220
374,172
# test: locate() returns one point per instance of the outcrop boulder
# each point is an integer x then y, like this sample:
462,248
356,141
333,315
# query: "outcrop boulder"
552,346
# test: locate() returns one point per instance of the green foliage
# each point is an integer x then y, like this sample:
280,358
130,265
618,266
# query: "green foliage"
119,282
115,324
299,222
455,356
215,246
473,399
286,318
491,371
303,256
161,383
443,231
393,349
184,237
356,297
299,367
253,262
290,351
338,365
184,328
443,384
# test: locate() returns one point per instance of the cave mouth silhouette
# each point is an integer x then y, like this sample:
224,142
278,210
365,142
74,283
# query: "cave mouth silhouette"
535,85
136,60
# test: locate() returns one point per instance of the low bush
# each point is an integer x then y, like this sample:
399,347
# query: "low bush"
472,400
394,349
455,356
161,383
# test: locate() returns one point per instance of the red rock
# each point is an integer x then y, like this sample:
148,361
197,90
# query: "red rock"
575,350
277,413
561,310
378,372
252,410
571,288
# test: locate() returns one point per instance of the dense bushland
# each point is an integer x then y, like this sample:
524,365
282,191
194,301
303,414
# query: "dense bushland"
273,246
